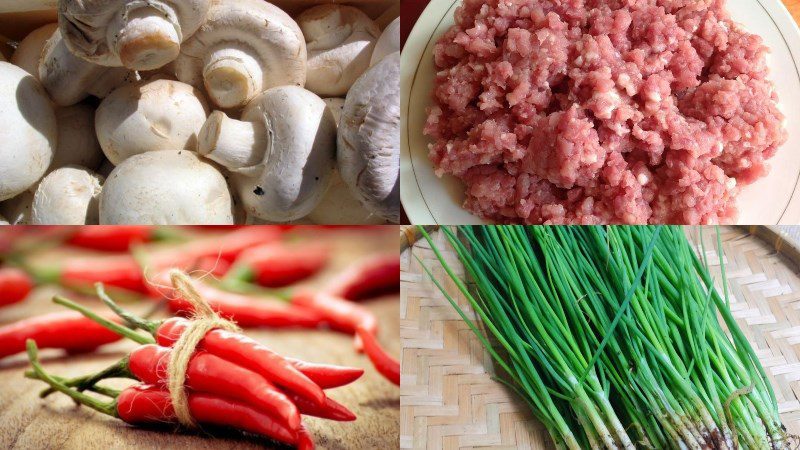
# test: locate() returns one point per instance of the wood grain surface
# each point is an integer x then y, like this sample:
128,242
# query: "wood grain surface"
26,422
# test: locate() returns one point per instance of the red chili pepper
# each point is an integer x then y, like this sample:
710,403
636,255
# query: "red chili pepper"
143,405
69,331
384,363
227,248
213,375
116,238
241,350
342,315
15,285
280,264
120,271
147,404
330,410
244,310
304,440
368,278
327,376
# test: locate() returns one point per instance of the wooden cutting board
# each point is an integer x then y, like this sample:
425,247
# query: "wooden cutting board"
27,422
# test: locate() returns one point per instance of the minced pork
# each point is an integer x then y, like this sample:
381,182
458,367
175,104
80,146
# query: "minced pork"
602,111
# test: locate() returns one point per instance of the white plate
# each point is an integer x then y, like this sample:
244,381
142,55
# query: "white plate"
430,200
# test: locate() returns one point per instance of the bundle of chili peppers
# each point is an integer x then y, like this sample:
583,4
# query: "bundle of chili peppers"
244,257
230,380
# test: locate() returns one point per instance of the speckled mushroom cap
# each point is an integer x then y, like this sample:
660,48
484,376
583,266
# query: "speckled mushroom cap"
138,34
28,135
369,139
340,41
244,48
149,116
166,188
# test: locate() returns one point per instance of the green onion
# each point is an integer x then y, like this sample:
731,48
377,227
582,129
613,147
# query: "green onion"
612,336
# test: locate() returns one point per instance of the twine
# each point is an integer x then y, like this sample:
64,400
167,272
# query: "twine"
204,320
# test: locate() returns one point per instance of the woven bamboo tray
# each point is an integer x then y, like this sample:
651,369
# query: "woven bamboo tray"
449,401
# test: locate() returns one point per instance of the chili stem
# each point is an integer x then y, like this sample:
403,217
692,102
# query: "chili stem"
108,408
131,319
118,370
117,328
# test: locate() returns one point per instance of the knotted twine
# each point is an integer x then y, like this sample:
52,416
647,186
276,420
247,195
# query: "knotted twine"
202,321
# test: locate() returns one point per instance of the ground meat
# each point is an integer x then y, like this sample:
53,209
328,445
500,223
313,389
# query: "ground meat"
602,111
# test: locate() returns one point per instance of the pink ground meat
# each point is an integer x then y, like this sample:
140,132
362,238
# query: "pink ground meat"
602,111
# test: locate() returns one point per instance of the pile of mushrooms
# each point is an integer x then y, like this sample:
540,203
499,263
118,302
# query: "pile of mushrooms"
201,112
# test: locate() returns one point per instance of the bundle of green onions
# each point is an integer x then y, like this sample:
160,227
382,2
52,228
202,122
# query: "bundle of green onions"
612,336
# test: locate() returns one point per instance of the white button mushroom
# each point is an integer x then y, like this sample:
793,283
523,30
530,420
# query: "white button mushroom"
29,52
69,79
369,139
338,206
340,40
166,188
67,196
17,210
388,43
150,116
28,135
282,153
137,34
244,48
77,140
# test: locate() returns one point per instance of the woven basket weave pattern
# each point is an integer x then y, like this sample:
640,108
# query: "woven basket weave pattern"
448,399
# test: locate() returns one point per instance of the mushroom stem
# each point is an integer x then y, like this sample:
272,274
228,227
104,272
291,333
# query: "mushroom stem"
147,37
232,76
233,143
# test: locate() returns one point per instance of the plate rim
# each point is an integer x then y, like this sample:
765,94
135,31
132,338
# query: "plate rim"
411,197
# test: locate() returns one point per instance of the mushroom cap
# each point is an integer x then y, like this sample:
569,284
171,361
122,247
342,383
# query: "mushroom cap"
340,40
338,206
69,79
29,132
259,29
67,196
150,116
388,43
89,29
369,139
77,140
336,105
29,52
17,210
169,187
298,164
